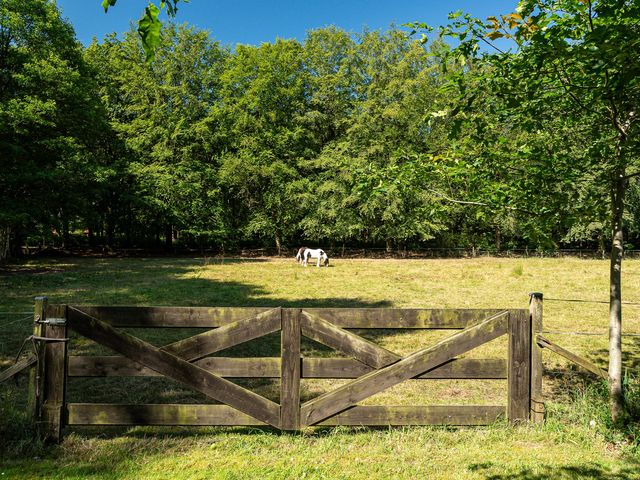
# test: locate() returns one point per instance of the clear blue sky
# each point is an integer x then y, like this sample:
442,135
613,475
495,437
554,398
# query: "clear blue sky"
254,22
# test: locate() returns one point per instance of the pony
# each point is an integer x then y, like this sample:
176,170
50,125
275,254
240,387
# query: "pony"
300,254
317,253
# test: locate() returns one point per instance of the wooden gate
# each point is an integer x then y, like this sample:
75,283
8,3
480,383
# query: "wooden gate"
371,367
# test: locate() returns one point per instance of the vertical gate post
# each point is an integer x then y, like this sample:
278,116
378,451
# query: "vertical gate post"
36,377
291,365
537,400
519,376
55,380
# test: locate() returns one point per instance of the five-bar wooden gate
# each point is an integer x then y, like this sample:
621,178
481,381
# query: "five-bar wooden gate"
371,367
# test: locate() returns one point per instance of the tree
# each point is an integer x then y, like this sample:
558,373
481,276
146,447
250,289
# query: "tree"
366,99
48,115
574,76
263,100
164,113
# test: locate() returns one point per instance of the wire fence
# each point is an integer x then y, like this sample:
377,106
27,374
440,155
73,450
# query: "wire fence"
340,252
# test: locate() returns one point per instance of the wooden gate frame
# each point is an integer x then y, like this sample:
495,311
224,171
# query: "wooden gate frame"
372,367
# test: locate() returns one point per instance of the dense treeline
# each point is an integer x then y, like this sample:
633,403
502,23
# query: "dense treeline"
339,139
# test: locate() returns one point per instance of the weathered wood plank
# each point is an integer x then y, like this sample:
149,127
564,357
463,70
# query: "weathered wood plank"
157,414
519,376
269,367
417,415
291,369
495,368
180,317
537,401
117,366
572,357
403,317
176,368
55,375
36,376
223,415
208,317
330,403
199,346
320,330
18,367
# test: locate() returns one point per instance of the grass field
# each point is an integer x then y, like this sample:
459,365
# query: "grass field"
569,445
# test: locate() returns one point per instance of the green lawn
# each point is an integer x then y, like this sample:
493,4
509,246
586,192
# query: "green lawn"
566,447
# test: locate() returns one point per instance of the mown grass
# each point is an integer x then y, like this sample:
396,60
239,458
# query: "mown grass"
576,442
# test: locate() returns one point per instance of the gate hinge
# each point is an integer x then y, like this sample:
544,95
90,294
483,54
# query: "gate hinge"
53,321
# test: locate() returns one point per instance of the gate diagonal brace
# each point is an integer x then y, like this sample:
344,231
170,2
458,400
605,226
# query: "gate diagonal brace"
212,341
175,368
325,332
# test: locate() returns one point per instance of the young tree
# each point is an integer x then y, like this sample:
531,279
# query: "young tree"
573,84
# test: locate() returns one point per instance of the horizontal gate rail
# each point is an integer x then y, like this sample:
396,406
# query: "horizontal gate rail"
157,414
205,317
223,415
376,415
269,367
168,317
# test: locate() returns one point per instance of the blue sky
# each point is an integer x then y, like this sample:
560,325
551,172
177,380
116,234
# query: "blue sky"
254,22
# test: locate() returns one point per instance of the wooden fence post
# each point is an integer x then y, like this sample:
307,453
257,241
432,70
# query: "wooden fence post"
519,376
36,377
55,356
537,400
291,365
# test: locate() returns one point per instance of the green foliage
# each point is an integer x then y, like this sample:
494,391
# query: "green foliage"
48,112
342,138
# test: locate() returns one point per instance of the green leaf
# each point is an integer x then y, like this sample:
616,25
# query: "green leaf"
149,29
108,3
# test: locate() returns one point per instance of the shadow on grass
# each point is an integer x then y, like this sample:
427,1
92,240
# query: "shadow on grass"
546,472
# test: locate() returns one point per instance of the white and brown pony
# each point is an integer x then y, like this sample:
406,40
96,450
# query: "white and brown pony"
317,253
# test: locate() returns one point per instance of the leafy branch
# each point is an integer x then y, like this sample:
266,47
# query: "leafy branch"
149,26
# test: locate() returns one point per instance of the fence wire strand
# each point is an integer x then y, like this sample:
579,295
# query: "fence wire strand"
29,317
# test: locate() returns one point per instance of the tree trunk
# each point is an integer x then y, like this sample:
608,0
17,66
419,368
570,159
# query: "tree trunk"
389,245
278,243
168,237
66,237
5,245
616,394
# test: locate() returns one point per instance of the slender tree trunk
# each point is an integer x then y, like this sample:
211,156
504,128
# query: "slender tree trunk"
5,245
168,237
616,394
66,237
278,243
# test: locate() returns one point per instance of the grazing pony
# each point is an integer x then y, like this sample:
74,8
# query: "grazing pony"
300,255
317,253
